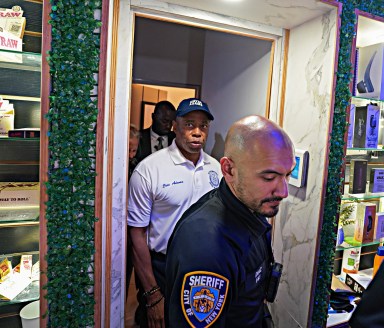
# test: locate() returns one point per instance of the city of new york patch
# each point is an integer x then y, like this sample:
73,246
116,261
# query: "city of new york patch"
203,297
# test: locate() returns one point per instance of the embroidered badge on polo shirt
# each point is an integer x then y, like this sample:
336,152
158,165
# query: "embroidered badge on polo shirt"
203,296
213,179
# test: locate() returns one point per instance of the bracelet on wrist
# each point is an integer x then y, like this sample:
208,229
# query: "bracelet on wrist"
151,291
154,303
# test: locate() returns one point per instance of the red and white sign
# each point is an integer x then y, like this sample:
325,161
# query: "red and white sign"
10,42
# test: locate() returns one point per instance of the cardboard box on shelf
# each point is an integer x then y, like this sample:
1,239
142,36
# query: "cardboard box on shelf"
359,282
366,126
8,41
376,181
351,126
358,176
372,128
365,222
7,117
19,194
379,226
12,21
351,261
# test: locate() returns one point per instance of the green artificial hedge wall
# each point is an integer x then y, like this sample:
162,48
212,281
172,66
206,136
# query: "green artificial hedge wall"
70,213
336,153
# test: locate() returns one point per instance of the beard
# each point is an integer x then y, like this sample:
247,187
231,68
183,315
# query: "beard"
256,206
273,210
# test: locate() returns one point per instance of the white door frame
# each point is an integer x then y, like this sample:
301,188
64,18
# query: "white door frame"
119,75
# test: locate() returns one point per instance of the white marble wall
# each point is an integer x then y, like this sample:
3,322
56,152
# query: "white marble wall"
307,109
116,128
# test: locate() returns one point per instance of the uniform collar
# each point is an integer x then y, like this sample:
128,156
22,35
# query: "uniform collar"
178,158
257,223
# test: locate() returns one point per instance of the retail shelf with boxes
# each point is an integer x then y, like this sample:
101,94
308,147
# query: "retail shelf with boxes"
361,221
20,82
361,218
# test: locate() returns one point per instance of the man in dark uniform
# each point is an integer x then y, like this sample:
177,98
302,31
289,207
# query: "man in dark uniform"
159,134
369,312
220,250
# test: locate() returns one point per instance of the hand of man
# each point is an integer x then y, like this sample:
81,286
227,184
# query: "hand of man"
155,313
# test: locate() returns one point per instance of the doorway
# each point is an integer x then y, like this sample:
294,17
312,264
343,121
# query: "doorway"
231,72
146,94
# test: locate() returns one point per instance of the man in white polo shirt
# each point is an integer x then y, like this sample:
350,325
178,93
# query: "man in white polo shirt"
161,188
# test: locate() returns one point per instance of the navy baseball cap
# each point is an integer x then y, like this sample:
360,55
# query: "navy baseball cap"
192,104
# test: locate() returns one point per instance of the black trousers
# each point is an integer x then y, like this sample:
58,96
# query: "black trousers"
158,266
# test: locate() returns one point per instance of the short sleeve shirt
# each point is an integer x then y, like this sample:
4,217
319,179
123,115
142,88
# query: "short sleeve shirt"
163,186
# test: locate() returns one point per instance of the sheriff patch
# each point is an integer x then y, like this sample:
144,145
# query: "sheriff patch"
203,296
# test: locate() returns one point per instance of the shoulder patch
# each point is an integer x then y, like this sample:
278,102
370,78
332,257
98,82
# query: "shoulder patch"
213,179
203,296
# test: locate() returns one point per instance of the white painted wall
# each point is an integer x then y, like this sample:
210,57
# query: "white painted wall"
235,81
168,52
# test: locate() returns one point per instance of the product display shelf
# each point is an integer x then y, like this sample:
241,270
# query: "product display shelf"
356,99
358,151
20,76
19,215
27,61
31,292
351,243
361,101
17,239
365,196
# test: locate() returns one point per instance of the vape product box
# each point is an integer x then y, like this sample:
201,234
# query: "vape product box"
379,226
366,126
351,126
19,194
376,181
359,130
370,72
372,128
365,222
358,176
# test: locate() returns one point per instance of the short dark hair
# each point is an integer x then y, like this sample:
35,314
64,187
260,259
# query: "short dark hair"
162,104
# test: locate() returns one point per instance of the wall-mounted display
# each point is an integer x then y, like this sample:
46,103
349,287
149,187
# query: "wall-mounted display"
299,173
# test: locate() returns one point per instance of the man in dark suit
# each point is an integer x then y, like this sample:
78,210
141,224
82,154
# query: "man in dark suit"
159,134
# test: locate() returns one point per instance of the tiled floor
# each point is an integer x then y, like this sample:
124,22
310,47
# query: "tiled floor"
131,305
